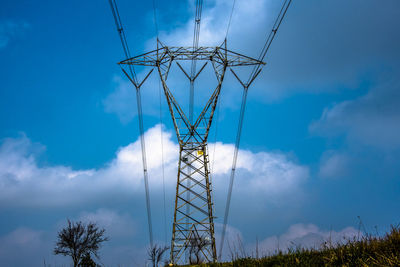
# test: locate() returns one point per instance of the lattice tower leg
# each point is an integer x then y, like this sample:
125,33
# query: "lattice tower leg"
193,233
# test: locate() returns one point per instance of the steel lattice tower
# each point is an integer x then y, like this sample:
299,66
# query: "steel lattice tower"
193,226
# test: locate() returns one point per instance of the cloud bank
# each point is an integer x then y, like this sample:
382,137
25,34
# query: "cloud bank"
21,174
305,236
28,184
372,119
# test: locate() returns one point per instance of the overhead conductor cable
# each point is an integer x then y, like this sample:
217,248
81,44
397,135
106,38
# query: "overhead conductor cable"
256,70
120,29
196,35
161,131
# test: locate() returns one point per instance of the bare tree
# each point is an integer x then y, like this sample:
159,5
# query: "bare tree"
197,244
87,261
156,253
78,240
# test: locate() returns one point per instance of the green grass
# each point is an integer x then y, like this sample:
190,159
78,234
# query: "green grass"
369,251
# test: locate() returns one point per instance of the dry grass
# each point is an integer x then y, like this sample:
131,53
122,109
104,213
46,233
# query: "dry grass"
369,251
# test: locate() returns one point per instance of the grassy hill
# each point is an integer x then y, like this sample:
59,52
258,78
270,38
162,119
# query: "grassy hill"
369,251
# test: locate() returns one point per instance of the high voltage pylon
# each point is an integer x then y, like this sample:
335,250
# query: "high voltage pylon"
193,228
193,235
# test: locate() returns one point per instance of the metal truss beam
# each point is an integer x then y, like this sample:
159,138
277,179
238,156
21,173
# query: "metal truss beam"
217,54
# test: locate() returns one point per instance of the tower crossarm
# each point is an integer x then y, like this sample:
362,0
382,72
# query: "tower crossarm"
217,54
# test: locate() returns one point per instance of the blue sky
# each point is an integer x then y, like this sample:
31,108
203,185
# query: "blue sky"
320,143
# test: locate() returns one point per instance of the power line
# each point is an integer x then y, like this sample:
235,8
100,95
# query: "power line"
191,129
133,78
145,173
193,152
233,170
161,130
230,19
197,20
162,162
155,17
270,38
121,32
216,134
256,70
215,144
196,35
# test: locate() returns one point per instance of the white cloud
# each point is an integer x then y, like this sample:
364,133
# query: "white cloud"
122,101
334,164
305,236
214,22
116,225
22,237
372,119
271,173
297,235
10,29
20,245
12,150
24,183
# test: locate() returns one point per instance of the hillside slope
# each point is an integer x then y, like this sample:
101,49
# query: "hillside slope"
369,251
